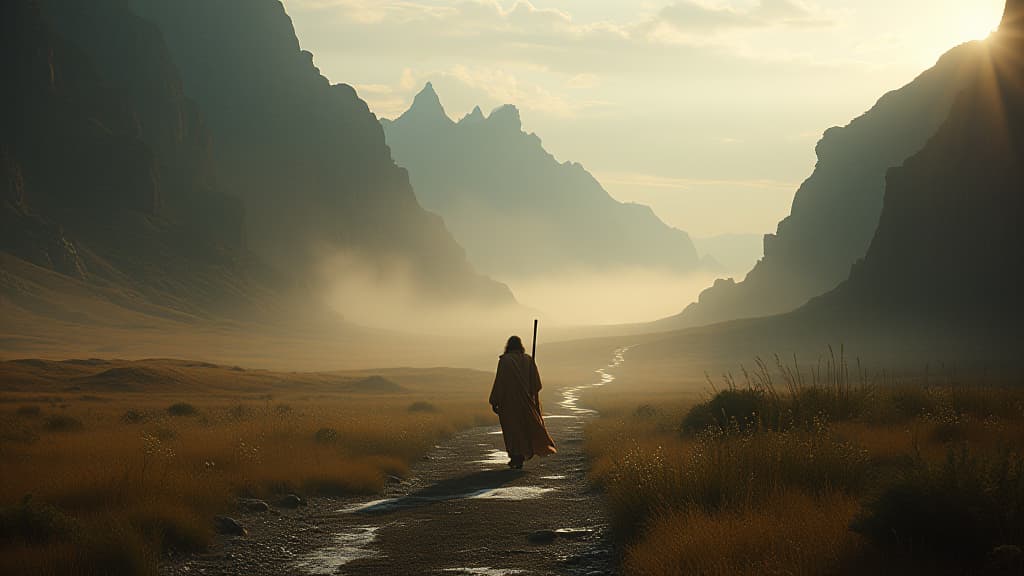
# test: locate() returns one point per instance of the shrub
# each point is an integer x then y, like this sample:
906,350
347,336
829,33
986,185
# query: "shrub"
326,436
63,423
182,409
30,411
946,518
744,408
34,523
132,417
424,407
645,411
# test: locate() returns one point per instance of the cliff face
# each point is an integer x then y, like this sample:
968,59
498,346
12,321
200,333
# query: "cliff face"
100,170
836,210
515,208
308,157
949,248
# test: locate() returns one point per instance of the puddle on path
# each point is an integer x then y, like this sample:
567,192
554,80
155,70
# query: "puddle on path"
571,395
483,571
494,457
347,547
511,493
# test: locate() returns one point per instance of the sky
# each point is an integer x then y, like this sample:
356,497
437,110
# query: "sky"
706,110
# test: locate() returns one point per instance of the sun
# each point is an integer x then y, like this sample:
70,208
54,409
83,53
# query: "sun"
977,21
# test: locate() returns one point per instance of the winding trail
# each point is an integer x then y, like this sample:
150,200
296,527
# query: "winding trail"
461,512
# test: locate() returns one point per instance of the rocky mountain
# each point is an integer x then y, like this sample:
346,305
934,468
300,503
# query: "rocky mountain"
835,212
307,157
516,209
940,282
106,173
949,249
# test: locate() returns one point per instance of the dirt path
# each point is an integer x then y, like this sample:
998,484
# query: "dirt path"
462,511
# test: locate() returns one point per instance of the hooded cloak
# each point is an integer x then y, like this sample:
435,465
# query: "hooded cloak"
515,395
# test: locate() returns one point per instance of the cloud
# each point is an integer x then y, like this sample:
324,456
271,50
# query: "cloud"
695,16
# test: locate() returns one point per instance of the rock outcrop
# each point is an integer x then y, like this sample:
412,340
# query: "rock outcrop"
948,253
307,157
835,212
515,209
104,167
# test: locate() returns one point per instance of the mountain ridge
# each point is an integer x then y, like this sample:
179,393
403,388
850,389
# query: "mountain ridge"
496,186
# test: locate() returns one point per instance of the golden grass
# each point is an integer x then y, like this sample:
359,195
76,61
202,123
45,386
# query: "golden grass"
136,481
780,497
792,533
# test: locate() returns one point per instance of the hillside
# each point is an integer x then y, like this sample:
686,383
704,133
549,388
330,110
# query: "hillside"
308,158
836,210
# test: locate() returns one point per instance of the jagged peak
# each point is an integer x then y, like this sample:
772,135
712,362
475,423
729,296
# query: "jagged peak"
426,106
506,116
473,117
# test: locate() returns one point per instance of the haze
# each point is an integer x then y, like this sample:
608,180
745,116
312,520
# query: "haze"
696,108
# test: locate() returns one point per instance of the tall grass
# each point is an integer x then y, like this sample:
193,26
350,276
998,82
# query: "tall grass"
124,481
767,474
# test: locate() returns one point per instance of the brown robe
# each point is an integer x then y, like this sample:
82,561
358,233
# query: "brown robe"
515,395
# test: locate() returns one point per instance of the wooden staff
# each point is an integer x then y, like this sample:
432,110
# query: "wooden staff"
533,355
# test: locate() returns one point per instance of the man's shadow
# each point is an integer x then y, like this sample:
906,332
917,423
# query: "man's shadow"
466,486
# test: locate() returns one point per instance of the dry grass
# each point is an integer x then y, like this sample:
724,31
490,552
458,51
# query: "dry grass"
125,477
786,463
789,534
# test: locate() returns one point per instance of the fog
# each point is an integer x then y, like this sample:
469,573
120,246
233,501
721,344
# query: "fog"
383,293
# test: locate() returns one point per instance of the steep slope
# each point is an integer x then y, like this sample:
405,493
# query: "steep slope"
940,282
308,157
515,209
949,249
835,211
106,178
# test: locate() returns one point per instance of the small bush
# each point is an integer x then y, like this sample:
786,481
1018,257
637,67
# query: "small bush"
946,518
132,417
422,407
746,408
30,411
326,436
63,423
182,409
34,523
645,411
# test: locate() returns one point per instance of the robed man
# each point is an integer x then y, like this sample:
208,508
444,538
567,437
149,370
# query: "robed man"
515,398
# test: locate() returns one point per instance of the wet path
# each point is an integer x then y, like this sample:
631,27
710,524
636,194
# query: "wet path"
461,512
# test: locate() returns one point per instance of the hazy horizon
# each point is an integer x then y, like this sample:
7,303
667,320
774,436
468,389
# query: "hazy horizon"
693,108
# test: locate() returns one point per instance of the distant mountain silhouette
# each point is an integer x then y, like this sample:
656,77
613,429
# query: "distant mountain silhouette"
307,157
836,210
517,210
106,171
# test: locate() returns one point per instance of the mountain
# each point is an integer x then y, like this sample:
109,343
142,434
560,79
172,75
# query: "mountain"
107,179
735,253
516,209
940,281
321,191
836,210
949,249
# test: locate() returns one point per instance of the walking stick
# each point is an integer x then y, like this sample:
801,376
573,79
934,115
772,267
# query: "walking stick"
533,355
